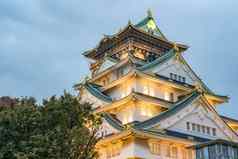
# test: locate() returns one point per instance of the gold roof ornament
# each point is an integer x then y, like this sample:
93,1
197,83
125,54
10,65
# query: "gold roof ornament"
198,87
149,13
129,22
177,52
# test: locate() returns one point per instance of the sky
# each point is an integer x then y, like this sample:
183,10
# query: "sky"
41,41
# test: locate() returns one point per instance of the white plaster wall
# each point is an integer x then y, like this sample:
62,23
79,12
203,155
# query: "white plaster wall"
140,148
137,112
122,90
144,112
126,152
154,89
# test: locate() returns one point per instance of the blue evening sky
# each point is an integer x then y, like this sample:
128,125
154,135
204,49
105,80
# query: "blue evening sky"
41,41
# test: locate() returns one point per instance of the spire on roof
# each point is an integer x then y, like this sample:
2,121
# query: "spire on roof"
149,13
148,24
129,22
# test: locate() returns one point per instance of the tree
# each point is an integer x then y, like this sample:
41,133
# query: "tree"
7,101
60,128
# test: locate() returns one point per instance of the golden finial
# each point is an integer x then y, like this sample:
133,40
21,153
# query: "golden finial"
129,22
175,47
149,13
177,52
198,87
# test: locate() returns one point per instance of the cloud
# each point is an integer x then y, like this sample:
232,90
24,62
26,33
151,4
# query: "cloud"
41,41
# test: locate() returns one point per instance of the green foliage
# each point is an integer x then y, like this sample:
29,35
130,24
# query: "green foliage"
57,129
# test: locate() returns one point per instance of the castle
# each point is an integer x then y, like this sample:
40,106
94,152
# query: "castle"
153,104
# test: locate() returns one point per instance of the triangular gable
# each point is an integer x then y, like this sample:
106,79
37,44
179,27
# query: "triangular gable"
175,67
148,24
173,62
186,111
200,117
200,114
107,63
158,62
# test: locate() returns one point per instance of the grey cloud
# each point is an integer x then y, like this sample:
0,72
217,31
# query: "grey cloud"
41,41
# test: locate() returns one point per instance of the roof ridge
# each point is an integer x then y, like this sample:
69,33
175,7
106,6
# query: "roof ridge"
96,92
166,56
112,121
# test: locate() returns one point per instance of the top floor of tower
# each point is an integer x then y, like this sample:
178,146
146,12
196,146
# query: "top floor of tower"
143,40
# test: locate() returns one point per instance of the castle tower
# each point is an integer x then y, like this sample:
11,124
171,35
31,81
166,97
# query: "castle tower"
154,106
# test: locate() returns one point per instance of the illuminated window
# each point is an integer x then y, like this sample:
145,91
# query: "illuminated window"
145,110
112,151
155,148
171,97
174,152
151,92
190,153
127,117
109,152
167,148
145,90
166,96
184,153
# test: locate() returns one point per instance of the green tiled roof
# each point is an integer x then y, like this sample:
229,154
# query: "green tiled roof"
173,109
167,56
94,90
148,24
171,53
215,142
113,122
170,133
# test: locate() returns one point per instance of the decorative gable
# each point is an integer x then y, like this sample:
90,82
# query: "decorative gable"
199,119
175,70
108,62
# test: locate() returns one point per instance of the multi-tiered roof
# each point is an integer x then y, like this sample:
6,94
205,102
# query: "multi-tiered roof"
141,52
